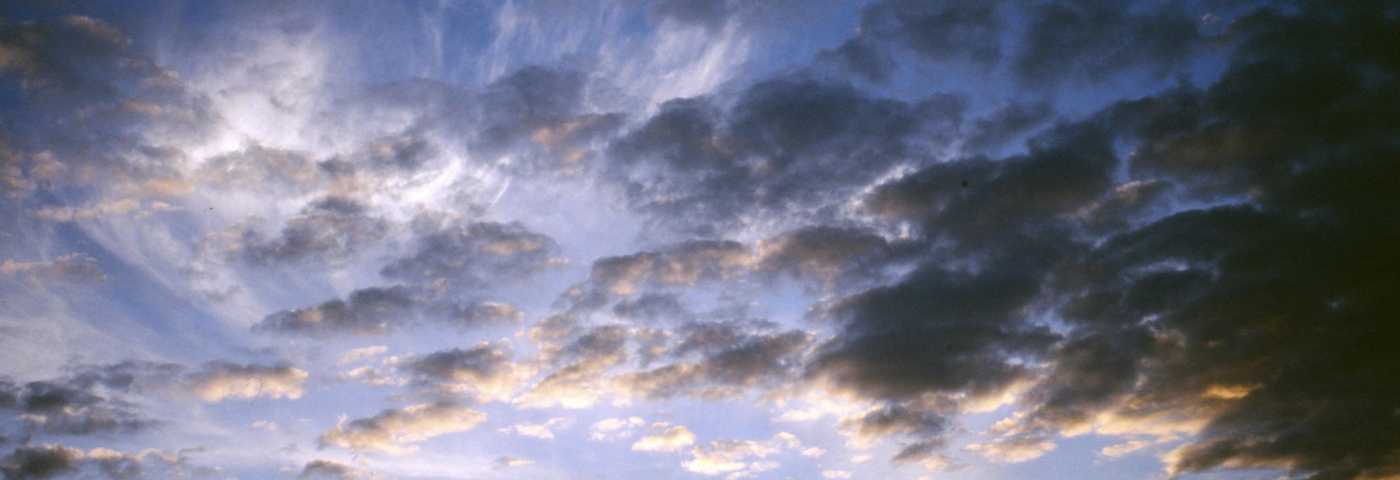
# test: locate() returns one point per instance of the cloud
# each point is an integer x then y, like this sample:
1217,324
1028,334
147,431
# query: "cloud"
683,265
40,462
1013,450
389,430
218,381
475,255
329,229
725,456
327,469
614,428
484,370
673,439
790,146
73,267
509,462
889,420
58,461
369,311
376,311
537,430
725,369
355,355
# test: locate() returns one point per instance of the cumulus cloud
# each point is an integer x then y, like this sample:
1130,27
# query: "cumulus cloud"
673,439
1205,260
327,469
543,431
485,370
218,382
789,146
684,265
93,399
614,428
393,431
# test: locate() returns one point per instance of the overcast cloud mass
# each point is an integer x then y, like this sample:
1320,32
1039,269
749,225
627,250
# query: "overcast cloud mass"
693,239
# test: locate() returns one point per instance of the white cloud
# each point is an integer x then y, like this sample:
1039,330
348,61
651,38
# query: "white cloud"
223,381
390,429
672,439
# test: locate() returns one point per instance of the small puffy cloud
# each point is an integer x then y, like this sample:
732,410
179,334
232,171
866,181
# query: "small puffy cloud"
724,456
673,439
508,462
614,428
814,452
1121,449
355,355
390,429
537,430
370,375
219,381
836,474
330,470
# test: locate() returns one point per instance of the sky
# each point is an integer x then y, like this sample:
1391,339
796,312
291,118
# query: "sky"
700,239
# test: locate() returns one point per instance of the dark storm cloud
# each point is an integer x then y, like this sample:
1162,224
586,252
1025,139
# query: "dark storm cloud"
833,256
790,145
861,58
1042,43
935,331
1066,167
1002,125
1086,39
40,462
380,310
965,30
454,255
1260,327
